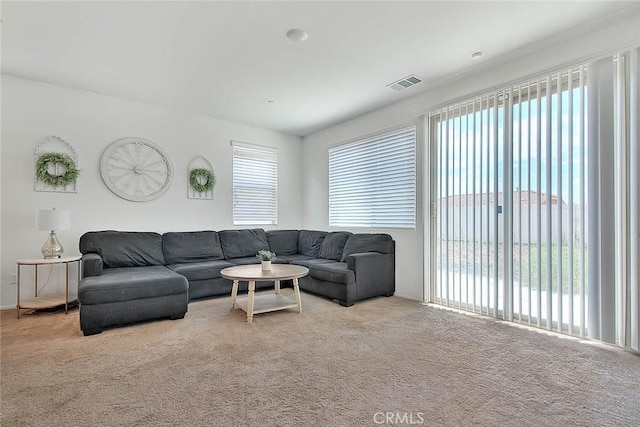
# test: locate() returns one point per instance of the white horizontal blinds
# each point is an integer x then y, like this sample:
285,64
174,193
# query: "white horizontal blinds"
372,181
255,185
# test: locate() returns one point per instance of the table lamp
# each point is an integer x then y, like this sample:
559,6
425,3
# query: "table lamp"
52,220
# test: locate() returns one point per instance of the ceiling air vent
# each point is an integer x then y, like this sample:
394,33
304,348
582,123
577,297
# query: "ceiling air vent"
405,83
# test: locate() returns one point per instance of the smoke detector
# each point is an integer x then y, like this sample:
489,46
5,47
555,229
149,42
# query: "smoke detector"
297,35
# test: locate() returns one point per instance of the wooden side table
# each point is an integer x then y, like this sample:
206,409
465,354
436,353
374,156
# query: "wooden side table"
47,301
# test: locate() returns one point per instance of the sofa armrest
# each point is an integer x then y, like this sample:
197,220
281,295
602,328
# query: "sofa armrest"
91,265
375,273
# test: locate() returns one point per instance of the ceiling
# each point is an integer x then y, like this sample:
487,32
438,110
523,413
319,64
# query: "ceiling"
229,59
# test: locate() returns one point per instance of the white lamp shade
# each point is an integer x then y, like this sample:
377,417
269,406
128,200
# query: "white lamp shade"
53,220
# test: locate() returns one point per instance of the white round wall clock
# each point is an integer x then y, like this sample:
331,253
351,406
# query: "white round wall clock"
136,169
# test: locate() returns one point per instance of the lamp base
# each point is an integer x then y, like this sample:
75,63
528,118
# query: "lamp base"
52,247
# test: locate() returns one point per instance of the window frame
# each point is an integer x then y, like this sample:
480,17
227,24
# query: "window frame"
377,140
269,156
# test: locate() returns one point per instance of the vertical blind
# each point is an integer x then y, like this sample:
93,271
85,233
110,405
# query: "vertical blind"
255,185
627,101
633,337
536,193
372,181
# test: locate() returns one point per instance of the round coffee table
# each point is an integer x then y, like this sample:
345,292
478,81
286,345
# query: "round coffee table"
264,303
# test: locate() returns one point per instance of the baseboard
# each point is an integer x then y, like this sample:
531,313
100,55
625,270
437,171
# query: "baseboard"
407,297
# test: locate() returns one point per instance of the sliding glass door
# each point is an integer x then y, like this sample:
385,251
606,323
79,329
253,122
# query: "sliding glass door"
549,212
534,193
469,181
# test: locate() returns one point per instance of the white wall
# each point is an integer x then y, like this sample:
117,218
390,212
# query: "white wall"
31,111
564,50
315,199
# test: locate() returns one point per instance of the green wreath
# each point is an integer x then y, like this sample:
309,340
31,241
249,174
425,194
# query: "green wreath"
202,180
70,171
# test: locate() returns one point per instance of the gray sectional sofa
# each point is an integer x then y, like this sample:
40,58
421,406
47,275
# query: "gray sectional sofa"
135,276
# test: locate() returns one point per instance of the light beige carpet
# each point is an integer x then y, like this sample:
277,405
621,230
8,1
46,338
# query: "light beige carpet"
328,366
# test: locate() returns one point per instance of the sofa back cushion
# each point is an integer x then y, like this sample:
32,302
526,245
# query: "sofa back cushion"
124,248
309,242
191,246
333,245
359,243
283,242
243,243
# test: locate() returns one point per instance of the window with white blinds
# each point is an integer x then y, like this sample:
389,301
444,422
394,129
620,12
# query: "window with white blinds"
372,181
255,185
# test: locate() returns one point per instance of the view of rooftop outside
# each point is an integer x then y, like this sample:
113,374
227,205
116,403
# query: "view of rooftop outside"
543,189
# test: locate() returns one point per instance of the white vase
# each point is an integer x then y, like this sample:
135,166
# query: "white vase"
266,265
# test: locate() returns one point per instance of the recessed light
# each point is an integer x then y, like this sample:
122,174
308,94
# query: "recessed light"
476,55
297,36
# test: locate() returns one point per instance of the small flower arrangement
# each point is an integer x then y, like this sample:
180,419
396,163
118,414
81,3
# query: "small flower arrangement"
266,255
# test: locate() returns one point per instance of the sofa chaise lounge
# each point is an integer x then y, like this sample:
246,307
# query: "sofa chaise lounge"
135,276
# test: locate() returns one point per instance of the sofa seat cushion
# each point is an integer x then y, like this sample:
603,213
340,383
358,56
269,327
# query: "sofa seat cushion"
290,258
200,270
336,272
124,248
310,261
131,283
191,246
243,243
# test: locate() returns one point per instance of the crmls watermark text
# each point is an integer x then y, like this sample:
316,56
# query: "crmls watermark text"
398,418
